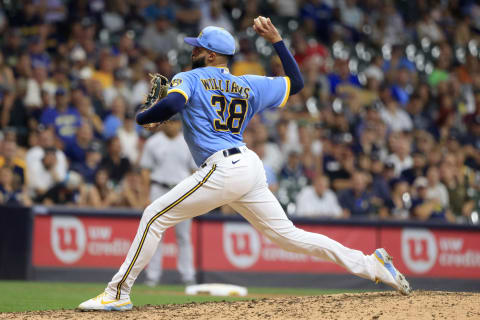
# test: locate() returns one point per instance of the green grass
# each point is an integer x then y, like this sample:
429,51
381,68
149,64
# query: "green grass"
26,296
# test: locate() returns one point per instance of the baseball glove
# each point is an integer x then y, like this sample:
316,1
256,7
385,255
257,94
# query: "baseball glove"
160,85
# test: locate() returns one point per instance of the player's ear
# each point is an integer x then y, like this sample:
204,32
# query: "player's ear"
211,56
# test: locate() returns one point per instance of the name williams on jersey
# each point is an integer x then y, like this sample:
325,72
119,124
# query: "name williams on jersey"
226,86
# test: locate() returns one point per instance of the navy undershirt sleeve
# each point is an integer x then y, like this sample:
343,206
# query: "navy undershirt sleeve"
290,66
162,110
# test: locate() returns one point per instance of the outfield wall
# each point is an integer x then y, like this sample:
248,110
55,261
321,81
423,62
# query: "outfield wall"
87,245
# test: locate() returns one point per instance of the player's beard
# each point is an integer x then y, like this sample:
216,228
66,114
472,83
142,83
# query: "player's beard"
199,62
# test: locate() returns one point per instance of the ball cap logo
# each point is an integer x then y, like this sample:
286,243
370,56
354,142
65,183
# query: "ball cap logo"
241,244
68,239
419,250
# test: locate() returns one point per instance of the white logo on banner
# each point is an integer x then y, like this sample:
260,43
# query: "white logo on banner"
241,244
419,249
68,238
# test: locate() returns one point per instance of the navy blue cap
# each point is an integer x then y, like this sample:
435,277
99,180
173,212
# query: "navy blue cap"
215,39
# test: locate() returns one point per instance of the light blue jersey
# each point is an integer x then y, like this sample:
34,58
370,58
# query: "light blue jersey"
219,106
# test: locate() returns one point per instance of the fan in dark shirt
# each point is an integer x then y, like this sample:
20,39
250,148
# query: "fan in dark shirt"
116,164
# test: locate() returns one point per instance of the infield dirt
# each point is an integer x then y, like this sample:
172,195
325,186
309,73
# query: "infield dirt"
374,305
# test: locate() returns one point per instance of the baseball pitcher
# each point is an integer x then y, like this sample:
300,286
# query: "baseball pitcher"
215,107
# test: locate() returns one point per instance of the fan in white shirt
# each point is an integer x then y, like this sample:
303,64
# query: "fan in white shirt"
318,200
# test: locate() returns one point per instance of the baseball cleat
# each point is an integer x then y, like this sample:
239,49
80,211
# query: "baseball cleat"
388,274
103,303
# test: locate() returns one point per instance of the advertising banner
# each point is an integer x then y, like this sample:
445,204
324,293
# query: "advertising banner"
236,246
103,242
434,253
92,242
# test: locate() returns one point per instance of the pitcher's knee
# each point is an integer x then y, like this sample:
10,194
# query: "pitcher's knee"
149,213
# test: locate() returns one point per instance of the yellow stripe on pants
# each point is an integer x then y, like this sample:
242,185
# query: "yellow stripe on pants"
175,203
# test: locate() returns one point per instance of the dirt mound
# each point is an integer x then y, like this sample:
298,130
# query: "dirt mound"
374,305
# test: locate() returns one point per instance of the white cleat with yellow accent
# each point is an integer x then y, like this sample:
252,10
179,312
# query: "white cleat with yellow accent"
104,303
388,274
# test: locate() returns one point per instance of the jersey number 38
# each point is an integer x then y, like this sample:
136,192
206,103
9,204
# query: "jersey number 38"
236,112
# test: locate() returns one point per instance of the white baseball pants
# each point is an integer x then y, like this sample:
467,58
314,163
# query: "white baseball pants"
185,265
238,180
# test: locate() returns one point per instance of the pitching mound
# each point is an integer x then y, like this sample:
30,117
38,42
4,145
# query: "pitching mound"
375,305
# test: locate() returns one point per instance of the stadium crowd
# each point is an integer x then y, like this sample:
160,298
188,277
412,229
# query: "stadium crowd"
388,124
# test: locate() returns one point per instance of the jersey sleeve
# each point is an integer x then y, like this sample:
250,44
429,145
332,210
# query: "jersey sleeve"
182,83
270,92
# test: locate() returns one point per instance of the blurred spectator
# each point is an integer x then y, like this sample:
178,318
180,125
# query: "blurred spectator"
35,85
308,52
351,15
402,86
436,189
116,164
134,193
424,208
88,168
7,90
367,142
318,200
341,76
246,62
286,8
46,140
291,180
9,158
416,109
129,139
400,157
88,115
104,73
392,114
417,169
318,16
428,27
53,11
141,81
441,71
397,61
10,194
76,150
284,138
390,24
260,148
28,19
156,8
115,119
67,192
271,154
119,87
64,117
160,36
339,164
401,201
382,176
188,15
45,174
458,184
357,200
101,194
212,14
473,136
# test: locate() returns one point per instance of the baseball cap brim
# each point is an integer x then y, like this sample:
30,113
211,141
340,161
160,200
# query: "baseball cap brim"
192,41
